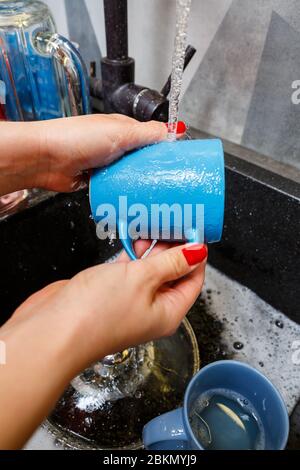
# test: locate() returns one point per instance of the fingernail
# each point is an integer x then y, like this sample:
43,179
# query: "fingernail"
195,254
181,127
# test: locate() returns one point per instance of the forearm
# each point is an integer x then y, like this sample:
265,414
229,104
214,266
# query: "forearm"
20,155
41,360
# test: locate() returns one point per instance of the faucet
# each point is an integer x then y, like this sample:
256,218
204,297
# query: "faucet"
116,91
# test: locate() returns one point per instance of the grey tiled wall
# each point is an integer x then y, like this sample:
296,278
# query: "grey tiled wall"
239,86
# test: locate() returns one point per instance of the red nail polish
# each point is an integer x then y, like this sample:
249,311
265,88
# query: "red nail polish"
195,254
181,127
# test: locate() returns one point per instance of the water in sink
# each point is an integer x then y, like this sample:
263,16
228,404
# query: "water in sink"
224,420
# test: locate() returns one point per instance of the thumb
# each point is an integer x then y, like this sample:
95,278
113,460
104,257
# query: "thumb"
175,263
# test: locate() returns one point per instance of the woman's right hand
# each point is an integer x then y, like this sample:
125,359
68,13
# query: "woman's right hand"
124,304
130,303
70,324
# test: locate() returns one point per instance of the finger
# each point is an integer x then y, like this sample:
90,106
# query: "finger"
121,134
134,134
140,248
176,301
119,117
98,140
173,264
181,129
180,297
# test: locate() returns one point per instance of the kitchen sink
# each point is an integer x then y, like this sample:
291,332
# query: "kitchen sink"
249,307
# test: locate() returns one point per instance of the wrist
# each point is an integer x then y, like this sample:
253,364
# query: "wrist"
21,161
39,161
79,343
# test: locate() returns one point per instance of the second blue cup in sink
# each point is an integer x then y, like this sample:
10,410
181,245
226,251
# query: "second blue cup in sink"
228,405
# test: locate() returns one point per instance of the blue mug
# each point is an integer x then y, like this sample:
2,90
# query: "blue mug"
172,431
176,188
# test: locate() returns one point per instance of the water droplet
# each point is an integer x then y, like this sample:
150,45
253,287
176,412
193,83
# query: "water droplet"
238,345
279,324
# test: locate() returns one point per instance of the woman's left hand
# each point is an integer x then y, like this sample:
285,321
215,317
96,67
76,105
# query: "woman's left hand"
56,154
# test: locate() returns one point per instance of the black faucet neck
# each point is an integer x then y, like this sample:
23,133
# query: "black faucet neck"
117,89
116,25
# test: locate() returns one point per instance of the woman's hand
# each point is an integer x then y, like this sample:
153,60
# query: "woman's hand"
67,326
75,145
54,154
123,304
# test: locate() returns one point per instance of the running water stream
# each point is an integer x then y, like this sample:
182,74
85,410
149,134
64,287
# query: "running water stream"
183,8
